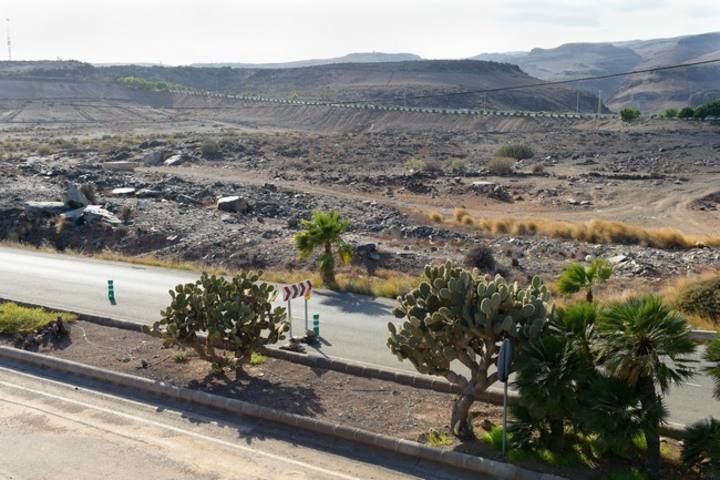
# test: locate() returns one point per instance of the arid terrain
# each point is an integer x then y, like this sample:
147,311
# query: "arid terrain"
385,171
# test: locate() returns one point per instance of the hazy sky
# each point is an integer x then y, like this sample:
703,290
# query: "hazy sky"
184,31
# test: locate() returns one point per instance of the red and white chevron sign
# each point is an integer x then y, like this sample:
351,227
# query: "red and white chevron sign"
297,290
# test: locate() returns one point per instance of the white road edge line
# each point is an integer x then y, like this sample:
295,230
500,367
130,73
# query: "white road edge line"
181,431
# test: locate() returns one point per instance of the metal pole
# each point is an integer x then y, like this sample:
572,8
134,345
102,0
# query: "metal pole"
307,328
290,321
504,437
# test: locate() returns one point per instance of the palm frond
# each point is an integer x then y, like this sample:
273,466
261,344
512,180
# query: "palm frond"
572,279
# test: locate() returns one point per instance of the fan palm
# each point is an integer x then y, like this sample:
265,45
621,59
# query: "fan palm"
324,230
712,354
701,449
644,343
549,373
577,277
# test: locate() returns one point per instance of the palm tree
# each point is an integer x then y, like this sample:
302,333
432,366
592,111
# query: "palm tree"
549,374
644,343
324,230
577,277
712,354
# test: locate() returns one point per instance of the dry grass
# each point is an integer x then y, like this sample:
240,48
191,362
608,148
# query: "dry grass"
435,217
593,231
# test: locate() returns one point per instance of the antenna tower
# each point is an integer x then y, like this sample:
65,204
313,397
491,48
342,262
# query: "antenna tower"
9,41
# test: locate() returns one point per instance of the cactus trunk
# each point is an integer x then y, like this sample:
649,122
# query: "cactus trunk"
460,421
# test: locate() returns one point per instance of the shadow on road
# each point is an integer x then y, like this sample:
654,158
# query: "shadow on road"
353,303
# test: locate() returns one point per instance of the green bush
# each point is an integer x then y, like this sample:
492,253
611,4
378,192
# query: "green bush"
143,83
210,148
686,112
711,109
235,314
17,319
670,113
518,151
701,298
415,164
629,114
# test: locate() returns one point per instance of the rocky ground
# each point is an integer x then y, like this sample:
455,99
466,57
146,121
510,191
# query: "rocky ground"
159,194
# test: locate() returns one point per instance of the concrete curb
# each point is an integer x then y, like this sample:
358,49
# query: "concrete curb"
499,470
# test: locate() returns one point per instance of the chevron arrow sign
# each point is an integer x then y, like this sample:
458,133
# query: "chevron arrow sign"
296,290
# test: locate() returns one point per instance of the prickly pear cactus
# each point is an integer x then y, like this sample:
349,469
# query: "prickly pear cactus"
236,314
457,314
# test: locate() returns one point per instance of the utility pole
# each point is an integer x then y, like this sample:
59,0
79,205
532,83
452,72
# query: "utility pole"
577,103
597,115
9,42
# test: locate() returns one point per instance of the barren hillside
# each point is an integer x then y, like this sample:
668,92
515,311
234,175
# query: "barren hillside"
651,92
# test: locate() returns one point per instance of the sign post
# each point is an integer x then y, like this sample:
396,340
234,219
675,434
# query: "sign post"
111,291
504,369
291,292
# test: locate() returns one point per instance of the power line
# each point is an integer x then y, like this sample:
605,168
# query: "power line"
544,84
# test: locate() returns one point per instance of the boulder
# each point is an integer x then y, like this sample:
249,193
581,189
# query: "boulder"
91,214
44,208
175,160
147,193
121,166
123,191
94,213
154,158
233,204
75,198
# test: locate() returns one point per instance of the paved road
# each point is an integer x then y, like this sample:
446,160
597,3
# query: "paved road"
353,326
53,429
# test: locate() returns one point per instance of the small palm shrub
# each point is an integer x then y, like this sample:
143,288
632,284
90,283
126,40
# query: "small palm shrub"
577,277
324,231
701,449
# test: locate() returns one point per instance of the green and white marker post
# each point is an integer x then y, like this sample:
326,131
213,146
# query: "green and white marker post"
316,324
111,291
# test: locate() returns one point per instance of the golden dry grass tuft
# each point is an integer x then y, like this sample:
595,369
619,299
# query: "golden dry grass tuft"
593,231
435,217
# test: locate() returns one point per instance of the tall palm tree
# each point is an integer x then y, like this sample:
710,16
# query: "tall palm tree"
645,343
577,277
324,230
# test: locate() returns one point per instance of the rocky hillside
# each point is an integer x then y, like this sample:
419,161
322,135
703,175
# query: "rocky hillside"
390,82
651,92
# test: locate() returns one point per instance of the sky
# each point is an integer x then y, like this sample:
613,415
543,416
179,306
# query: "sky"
177,32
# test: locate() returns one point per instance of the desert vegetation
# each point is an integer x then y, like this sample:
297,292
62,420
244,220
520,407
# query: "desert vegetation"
594,231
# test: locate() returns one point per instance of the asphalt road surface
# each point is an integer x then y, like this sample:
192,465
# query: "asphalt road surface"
53,426
353,327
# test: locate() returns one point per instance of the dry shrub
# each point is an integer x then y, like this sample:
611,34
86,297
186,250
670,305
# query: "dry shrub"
594,231
517,151
501,165
460,214
435,217
538,169
480,257
126,213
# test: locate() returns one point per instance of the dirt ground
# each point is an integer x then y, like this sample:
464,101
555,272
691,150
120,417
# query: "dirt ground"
653,174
